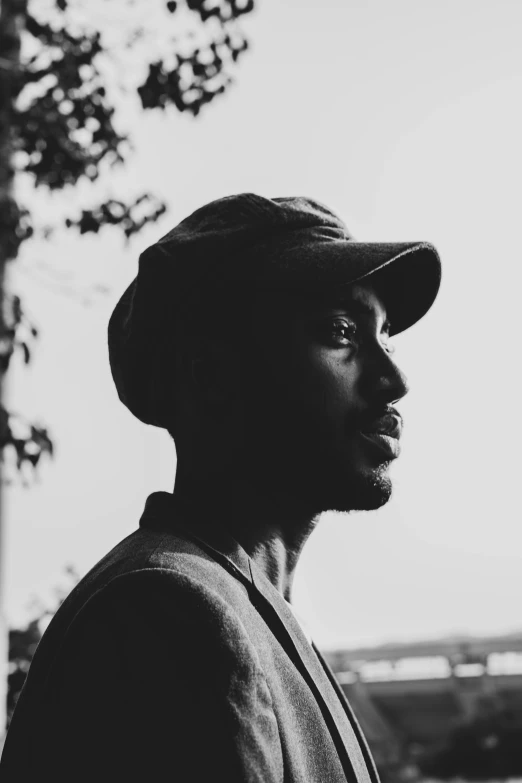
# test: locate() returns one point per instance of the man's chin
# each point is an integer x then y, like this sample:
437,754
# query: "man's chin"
365,492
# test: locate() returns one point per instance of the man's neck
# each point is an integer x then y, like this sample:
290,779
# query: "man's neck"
267,525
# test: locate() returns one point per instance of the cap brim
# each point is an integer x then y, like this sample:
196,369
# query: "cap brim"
408,283
406,275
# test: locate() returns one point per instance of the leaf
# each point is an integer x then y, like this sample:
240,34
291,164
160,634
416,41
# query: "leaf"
131,217
34,458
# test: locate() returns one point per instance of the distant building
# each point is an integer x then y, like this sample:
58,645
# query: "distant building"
412,698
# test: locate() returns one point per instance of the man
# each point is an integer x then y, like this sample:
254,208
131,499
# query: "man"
257,332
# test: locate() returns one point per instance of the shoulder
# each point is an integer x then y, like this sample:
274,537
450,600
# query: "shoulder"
155,591
165,569
155,615
162,644
182,592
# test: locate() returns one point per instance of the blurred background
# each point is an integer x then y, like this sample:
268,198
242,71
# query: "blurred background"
119,118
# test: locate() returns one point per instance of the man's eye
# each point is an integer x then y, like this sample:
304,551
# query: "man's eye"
343,332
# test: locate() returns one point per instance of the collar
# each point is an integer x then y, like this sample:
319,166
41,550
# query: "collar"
163,512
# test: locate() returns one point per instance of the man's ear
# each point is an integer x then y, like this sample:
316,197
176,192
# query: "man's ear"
213,366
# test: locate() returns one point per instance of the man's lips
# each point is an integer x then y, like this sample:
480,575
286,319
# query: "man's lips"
383,433
388,424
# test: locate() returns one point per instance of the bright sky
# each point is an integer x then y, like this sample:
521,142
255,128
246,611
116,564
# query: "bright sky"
406,118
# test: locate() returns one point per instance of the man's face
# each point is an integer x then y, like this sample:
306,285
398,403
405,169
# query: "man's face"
319,383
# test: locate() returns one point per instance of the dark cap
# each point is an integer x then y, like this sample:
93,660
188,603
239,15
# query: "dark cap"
248,239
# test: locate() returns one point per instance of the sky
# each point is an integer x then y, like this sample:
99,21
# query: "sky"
406,119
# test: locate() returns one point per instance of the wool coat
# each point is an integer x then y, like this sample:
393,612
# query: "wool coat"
176,659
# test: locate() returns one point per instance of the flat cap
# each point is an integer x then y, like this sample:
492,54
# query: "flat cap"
249,239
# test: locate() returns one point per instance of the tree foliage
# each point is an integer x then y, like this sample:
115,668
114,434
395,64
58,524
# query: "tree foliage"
24,640
60,125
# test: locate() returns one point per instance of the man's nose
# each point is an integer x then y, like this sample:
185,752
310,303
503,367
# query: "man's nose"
390,383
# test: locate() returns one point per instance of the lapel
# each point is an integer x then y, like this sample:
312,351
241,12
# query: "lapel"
270,604
337,714
353,720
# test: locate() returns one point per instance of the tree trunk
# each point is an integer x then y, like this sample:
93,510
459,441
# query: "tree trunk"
12,15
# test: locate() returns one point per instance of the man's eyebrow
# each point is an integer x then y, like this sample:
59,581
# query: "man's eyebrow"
358,306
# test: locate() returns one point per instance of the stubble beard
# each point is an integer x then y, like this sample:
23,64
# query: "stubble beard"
316,488
316,477
356,492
